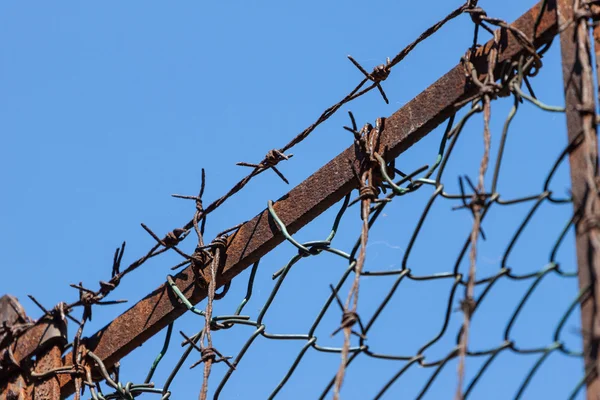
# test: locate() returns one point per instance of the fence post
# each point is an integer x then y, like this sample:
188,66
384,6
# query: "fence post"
49,358
581,125
16,380
13,385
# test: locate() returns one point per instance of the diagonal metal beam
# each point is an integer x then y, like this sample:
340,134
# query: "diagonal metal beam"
305,202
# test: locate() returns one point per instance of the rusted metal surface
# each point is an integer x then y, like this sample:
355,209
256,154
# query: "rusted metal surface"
16,388
579,100
302,204
46,340
32,342
48,388
29,339
12,383
54,341
12,318
12,315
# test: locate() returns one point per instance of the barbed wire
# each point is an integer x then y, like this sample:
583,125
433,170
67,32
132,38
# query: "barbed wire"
429,177
172,239
201,257
375,177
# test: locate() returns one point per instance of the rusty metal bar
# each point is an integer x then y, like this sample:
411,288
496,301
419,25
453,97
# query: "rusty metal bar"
579,99
305,202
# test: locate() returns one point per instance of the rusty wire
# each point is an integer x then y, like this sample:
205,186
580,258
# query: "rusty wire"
476,205
89,298
429,177
379,74
479,202
374,178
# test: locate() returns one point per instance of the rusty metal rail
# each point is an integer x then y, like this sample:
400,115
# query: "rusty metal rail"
300,206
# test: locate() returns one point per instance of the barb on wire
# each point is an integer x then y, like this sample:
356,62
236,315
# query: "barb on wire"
379,74
272,158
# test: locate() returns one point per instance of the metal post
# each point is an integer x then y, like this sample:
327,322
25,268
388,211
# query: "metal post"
48,387
579,101
13,385
16,381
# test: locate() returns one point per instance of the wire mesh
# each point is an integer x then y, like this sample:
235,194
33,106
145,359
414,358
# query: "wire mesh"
400,209
432,187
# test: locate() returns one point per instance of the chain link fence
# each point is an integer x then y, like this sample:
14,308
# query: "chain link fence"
446,270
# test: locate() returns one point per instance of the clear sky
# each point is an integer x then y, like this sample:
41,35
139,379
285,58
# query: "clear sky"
109,108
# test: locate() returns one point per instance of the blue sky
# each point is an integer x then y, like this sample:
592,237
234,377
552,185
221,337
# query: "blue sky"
108,109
